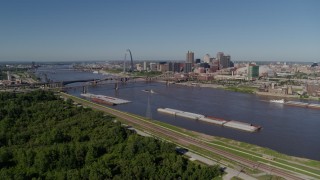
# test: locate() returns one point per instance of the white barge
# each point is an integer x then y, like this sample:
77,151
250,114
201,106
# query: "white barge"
213,120
105,99
242,126
218,121
166,111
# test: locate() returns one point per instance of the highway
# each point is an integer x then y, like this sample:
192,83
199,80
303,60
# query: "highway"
184,140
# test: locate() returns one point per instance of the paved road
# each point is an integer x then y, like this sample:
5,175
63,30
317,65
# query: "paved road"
230,172
186,140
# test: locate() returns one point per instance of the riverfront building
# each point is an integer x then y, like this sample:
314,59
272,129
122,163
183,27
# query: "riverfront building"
163,67
253,71
153,66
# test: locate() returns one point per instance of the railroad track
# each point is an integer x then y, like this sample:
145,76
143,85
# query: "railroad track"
192,141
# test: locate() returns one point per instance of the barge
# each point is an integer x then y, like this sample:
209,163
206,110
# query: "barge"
281,101
100,101
214,120
242,126
314,106
296,103
104,99
302,104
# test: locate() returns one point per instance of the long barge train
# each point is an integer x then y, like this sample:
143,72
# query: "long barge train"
218,121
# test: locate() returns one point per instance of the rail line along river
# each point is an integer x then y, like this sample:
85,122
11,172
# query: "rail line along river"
286,129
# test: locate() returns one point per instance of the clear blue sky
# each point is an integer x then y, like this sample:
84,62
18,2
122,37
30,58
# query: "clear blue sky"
48,30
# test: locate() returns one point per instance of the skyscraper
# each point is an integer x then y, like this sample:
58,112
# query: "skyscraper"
190,57
187,67
145,65
220,55
225,61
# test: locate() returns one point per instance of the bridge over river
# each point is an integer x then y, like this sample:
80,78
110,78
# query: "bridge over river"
92,81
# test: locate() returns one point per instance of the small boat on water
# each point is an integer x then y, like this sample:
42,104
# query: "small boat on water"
149,91
281,101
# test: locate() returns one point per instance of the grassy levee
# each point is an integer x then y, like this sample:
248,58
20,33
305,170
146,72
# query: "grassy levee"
270,177
258,151
242,89
305,166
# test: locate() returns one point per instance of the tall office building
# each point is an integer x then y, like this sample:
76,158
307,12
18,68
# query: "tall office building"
190,57
220,55
187,67
145,65
225,61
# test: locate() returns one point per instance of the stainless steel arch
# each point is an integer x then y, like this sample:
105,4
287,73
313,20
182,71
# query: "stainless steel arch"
131,68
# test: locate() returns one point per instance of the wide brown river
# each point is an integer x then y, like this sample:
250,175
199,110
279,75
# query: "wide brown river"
286,129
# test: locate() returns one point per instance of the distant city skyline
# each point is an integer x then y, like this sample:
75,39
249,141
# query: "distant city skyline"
79,30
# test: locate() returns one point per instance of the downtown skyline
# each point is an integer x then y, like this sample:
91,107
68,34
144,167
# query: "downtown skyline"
103,30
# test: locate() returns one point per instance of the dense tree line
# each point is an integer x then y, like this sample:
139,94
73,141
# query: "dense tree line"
44,137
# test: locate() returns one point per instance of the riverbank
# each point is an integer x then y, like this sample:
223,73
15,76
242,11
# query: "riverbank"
198,84
245,89
277,95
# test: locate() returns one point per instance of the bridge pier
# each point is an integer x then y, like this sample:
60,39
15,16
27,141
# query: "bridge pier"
84,89
116,86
